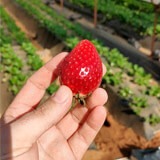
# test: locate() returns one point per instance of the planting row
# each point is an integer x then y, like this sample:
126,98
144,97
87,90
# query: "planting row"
12,65
136,5
19,37
139,15
49,19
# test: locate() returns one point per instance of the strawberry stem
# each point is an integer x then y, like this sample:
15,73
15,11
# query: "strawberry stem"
78,98
82,101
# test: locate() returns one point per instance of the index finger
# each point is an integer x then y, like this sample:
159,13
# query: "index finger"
34,89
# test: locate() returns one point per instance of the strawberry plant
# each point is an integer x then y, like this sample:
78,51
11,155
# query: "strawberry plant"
33,59
35,62
136,70
136,5
153,119
28,48
116,59
52,88
8,57
149,31
125,92
153,91
113,78
71,42
142,80
138,103
18,79
1,68
139,75
3,37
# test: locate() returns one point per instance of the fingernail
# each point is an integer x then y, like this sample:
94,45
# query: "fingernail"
61,95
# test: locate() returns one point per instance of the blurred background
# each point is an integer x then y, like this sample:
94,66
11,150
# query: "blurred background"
126,34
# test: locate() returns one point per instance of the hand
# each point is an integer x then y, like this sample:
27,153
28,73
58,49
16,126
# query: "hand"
50,132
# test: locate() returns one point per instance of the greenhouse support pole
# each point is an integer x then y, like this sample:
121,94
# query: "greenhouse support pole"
61,4
95,12
156,8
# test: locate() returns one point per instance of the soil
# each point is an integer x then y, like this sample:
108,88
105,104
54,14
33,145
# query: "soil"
6,97
114,140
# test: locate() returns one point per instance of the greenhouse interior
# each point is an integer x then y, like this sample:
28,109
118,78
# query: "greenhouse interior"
72,42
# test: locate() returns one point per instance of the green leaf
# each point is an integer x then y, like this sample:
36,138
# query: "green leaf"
52,88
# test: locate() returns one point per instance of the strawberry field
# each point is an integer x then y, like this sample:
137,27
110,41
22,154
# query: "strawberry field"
32,32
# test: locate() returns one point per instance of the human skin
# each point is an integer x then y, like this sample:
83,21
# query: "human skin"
50,131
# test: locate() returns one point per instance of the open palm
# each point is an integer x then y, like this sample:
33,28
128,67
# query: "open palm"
50,132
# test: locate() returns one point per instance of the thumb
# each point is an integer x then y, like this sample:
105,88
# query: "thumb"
35,123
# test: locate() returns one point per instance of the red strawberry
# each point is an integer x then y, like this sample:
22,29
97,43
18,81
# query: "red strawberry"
81,69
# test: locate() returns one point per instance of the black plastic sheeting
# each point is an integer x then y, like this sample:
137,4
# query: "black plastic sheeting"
148,154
